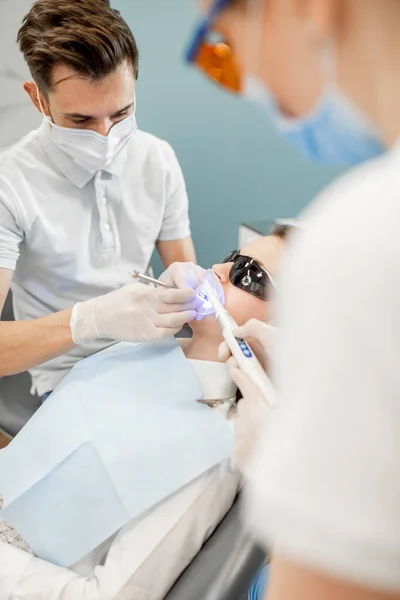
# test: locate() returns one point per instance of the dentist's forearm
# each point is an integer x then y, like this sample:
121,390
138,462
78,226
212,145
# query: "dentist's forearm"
26,344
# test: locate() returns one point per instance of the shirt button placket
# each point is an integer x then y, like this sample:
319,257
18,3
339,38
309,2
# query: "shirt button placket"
104,216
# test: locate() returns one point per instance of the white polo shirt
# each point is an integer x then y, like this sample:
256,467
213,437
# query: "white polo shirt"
71,236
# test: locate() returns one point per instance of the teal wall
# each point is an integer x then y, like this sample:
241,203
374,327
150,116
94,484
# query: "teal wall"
235,167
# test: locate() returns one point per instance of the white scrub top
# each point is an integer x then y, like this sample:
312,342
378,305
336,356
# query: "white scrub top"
326,485
71,235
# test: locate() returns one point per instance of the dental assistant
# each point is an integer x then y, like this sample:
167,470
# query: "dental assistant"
325,480
85,200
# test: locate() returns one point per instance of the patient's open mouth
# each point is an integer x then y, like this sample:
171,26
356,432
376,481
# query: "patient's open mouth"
206,308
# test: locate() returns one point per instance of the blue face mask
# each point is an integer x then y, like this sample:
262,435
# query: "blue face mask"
333,133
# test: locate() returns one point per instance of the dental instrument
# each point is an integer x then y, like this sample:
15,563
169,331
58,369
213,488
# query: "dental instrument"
217,402
241,351
148,279
206,309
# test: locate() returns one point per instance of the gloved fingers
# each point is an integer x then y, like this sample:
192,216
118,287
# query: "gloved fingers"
165,309
190,276
261,353
184,275
260,337
244,383
175,320
257,330
231,363
164,332
251,420
185,297
224,352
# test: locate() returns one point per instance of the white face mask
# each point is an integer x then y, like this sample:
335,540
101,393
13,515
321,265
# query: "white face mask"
90,149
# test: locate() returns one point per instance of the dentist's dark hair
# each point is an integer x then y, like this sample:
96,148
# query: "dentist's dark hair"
88,36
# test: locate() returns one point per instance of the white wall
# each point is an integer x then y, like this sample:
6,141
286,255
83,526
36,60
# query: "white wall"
17,115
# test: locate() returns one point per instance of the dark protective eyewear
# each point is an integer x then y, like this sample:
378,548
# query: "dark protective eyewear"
212,54
249,275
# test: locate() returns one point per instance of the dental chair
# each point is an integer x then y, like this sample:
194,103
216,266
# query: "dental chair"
225,567
17,405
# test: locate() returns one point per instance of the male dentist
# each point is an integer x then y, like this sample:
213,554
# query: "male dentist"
84,200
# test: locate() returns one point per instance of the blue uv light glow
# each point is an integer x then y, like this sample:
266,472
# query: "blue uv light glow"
206,308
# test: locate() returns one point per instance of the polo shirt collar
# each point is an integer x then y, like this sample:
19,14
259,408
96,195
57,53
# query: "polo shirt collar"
78,175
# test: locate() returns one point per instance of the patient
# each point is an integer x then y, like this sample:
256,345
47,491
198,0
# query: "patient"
147,555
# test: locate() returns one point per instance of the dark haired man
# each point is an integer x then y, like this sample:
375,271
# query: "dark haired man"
86,199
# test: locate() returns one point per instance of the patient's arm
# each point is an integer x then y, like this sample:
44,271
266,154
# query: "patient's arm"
25,577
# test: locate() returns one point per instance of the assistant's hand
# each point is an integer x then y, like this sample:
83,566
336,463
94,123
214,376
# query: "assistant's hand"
184,275
134,313
251,420
260,337
253,411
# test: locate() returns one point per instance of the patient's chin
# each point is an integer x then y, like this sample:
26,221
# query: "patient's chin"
207,325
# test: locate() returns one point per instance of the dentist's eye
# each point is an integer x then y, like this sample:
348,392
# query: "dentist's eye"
81,121
121,115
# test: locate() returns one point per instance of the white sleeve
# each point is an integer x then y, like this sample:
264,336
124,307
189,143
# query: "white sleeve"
11,234
24,577
326,489
13,563
176,223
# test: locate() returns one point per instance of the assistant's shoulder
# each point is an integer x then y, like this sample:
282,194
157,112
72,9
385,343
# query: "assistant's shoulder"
347,251
360,212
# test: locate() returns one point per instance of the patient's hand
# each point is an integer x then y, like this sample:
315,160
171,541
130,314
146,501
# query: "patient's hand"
10,536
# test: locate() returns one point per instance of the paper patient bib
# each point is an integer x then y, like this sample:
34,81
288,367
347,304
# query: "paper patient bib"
121,432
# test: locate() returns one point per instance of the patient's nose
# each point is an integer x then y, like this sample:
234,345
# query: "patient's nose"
222,271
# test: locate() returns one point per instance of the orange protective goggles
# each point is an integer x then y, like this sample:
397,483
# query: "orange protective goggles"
217,61
213,55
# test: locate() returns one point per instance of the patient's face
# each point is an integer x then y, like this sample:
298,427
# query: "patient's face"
240,304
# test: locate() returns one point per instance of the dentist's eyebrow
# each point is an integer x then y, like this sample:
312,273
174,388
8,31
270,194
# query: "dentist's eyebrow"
80,116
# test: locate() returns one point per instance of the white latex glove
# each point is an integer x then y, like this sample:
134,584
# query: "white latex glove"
184,275
251,421
253,412
259,335
134,313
